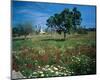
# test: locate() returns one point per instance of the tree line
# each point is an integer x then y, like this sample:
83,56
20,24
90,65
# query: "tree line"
22,29
66,22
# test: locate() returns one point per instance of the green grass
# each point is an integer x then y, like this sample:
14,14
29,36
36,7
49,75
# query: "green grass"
41,41
41,50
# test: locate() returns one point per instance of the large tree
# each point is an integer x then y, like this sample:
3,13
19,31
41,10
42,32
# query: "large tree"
66,21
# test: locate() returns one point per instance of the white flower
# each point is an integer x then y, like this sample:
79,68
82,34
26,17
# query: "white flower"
62,67
40,72
52,71
42,75
52,66
49,69
55,68
72,72
59,66
47,66
39,67
65,74
56,72
44,69
34,72
78,59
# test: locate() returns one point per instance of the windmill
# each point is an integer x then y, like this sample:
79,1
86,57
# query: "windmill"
41,30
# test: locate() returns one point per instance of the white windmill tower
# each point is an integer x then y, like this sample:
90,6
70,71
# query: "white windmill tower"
41,30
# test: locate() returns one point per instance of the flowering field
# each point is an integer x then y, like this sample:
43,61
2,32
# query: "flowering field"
45,56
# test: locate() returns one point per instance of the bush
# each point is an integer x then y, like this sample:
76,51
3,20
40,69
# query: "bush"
81,31
82,65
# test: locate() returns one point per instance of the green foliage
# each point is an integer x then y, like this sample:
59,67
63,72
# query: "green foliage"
66,21
76,21
82,65
81,31
22,29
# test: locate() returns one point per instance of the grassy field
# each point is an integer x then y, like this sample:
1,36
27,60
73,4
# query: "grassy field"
49,56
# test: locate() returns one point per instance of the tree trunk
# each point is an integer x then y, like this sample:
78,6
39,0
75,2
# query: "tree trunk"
64,35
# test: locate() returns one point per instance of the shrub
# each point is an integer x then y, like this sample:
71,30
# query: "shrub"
81,31
82,65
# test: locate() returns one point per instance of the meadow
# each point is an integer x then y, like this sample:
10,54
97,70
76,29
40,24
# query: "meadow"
47,55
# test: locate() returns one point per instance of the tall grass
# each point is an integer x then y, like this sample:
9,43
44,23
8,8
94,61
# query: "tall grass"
46,57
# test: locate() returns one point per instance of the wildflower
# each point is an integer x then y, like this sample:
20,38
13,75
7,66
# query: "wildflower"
40,72
56,72
55,68
67,71
43,69
59,66
65,74
42,75
39,67
49,69
78,59
47,66
52,71
34,72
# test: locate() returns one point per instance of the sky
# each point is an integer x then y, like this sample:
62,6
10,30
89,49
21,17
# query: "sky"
38,12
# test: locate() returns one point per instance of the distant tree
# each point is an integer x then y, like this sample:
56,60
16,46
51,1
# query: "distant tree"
15,31
82,30
18,30
23,29
27,29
